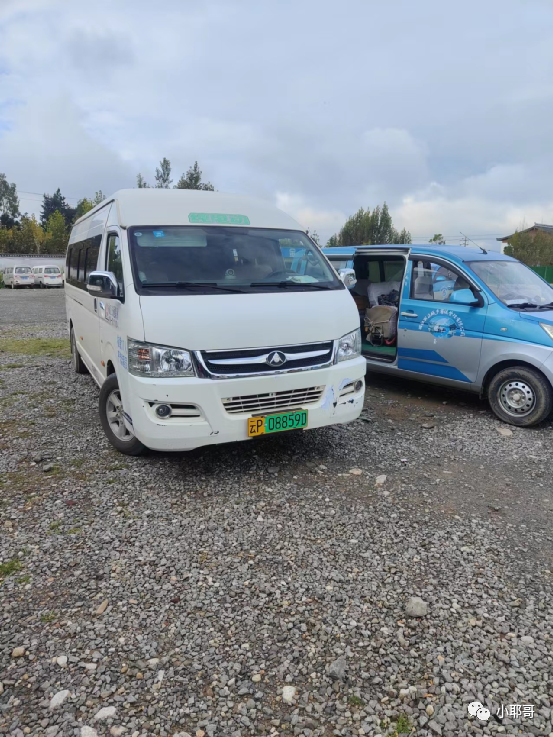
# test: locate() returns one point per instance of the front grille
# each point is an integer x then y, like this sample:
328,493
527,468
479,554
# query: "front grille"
254,360
273,401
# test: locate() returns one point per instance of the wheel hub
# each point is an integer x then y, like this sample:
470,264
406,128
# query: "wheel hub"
116,417
517,398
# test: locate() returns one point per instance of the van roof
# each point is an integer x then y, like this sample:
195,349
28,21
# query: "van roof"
459,253
193,207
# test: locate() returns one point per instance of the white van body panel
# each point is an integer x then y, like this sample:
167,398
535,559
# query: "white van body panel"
173,207
217,321
200,322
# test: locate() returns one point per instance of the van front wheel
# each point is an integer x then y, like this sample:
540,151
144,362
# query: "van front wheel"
112,419
520,396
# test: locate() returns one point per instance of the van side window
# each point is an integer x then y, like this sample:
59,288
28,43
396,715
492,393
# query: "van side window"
92,253
113,258
435,282
74,263
82,258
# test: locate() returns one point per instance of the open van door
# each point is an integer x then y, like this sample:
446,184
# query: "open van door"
381,273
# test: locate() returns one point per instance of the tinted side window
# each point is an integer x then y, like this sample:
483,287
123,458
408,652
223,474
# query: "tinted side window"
82,258
92,254
73,263
113,258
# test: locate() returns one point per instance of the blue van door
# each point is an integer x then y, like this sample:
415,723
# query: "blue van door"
439,335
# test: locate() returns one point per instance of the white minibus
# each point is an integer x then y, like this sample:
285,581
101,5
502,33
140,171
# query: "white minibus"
47,276
208,318
18,276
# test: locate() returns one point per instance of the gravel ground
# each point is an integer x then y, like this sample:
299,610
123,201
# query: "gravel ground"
267,588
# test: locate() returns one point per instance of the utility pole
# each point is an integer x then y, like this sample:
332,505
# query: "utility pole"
465,240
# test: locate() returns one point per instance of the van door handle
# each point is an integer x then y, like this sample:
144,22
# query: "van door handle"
409,314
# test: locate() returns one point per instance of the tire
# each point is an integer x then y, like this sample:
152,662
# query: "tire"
79,366
111,417
520,396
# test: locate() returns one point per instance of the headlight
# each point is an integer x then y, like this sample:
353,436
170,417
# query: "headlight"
157,361
548,329
349,346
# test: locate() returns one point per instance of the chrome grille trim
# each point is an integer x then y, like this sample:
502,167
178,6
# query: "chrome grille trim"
263,358
225,364
273,401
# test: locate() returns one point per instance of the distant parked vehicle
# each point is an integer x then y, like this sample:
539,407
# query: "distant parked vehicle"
18,276
47,276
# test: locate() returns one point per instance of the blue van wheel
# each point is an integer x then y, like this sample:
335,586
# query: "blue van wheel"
520,396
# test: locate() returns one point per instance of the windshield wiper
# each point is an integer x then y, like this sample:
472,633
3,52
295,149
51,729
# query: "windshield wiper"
528,306
186,284
291,283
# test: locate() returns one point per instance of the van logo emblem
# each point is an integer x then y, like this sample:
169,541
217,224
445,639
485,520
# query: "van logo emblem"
276,358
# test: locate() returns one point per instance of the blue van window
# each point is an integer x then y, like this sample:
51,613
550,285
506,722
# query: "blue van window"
513,283
435,282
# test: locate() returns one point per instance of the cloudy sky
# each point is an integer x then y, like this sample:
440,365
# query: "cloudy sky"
444,110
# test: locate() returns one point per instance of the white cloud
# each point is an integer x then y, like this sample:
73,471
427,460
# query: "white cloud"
300,102
323,221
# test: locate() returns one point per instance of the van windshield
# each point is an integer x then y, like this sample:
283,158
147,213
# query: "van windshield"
22,269
231,259
514,284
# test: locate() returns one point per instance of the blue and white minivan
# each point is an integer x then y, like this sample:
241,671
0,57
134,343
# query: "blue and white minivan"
467,318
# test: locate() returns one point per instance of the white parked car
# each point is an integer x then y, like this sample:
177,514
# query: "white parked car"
18,276
208,318
48,276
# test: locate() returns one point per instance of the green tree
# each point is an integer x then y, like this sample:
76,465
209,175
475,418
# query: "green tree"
56,234
9,203
437,238
141,182
53,203
29,237
99,197
163,175
533,249
369,228
193,180
83,206
314,236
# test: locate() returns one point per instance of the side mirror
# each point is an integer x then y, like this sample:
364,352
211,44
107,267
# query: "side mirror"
103,284
463,297
348,277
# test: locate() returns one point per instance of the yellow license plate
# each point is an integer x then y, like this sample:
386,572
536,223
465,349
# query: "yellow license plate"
277,423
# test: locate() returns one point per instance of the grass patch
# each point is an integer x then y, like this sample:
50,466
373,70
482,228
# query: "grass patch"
403,725
12,366
54,528
48,617
10,567
74,531
355,701
49,347
24,579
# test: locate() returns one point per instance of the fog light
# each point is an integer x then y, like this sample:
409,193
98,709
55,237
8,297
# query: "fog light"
163,410
358,385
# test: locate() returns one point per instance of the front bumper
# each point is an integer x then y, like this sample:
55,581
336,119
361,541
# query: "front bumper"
337,404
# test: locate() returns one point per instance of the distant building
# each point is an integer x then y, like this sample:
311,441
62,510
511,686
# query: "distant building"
532,230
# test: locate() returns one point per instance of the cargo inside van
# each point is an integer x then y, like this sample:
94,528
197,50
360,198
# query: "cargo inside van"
379,284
